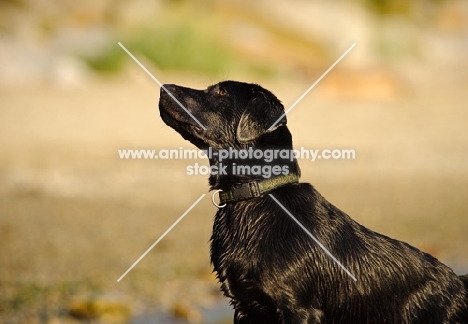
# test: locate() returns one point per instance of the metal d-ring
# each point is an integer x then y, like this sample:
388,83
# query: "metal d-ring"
213,199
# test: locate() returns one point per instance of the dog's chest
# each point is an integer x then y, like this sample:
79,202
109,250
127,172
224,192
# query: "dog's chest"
238,255
233,242
237,237
240,274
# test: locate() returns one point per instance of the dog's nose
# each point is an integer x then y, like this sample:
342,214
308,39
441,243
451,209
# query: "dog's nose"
167,87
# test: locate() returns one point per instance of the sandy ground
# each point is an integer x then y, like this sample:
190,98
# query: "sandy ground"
74,217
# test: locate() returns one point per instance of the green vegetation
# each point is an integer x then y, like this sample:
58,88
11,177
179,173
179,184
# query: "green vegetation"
178,47
111,60
384,7
182,48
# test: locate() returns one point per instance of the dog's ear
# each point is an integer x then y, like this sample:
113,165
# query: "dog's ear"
262,111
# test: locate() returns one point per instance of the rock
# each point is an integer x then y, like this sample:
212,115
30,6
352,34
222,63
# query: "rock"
186,311
106,308
24,63
362,84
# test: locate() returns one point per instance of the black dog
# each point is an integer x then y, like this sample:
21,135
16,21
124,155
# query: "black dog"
270,267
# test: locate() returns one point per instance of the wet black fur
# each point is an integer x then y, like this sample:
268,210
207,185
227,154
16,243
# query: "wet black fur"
272,271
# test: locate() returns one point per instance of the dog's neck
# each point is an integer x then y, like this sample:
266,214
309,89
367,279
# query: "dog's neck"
276,161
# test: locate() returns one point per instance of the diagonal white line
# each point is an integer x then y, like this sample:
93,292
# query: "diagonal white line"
162,236
161,85
312,86
313,237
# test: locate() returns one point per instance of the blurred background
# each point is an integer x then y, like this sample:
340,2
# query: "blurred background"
74,217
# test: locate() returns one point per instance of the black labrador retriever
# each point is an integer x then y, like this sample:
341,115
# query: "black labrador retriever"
267,263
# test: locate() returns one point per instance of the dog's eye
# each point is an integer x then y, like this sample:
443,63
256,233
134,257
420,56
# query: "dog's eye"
221,92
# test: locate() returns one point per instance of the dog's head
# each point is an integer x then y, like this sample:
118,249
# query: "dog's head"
234,114
229,115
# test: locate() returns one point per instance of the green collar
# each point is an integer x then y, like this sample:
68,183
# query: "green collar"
248,190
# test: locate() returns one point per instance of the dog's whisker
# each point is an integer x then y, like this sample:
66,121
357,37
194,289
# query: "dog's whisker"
314,238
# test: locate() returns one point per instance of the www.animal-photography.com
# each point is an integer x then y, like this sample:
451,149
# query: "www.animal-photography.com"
233,162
